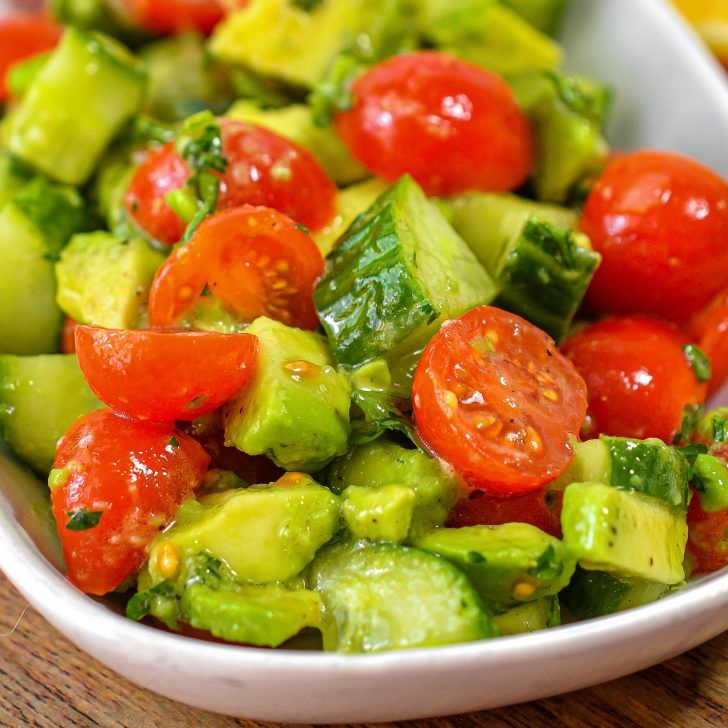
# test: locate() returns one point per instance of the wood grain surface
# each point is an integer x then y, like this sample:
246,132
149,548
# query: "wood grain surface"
45,681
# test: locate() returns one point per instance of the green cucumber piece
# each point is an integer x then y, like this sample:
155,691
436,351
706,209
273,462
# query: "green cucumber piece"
22,74
596,593
34,227
507,564
383,462
529,617
397,273
65,140
379,514
383,596
624,533
40,398
710,480
104,280
296,409
108,16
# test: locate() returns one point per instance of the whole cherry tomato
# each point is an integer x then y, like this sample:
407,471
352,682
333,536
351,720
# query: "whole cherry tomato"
638,376
453,126
709,328
174,16
660,221
115,485
494,398
163,376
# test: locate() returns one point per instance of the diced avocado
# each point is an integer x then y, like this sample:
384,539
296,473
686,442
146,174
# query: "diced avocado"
596,593
543,276
13,177
490,223
296,409
109,188
710,479
40,398
648,466
382,596
379,514
63,139
256,615
529,617
104,280
398,272
34,227
383,462
218,481
350,203
566,113
296,123
274,37
262,533
713,425
507,564
542,14
488,34
624,533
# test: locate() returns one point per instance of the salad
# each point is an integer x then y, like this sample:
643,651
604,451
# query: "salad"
337,324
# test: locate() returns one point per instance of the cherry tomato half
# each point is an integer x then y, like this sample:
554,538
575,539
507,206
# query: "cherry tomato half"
709,328
660,221
263,169
163,376
541,508
23,35
637,375
453,126
253,260
174,16
493,397
707,537
116,484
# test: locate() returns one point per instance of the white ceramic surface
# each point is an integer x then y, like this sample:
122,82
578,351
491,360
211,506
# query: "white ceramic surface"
671,95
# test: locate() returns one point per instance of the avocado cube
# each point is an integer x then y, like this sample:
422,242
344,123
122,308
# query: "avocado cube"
296,409
529,617
507,564
628,534
379,514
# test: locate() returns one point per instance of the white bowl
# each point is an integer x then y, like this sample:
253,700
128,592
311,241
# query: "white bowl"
671,95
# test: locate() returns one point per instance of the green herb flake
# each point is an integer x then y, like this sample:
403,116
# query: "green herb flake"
82,519
206,292
692,413
302,228
141,603
720,429
698,360
173,441
548,565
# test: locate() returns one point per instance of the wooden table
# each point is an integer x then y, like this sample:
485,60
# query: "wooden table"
45,681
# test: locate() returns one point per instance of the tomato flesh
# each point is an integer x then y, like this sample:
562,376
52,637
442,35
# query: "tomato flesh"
637,376
163,376
707,537
23,35
709,328
453,126
660,221
495,399
132,477
253,260
263,169
68,342
175,16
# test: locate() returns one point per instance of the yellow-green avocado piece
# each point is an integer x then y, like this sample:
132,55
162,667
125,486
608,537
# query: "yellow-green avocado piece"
383,513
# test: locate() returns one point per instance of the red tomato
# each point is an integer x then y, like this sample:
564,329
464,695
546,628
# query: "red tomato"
541,508
128,479
709,328
493,397
163,376
23,35
68,343
263,169
253,260
637,377
174,16
451,125
707,537
660,221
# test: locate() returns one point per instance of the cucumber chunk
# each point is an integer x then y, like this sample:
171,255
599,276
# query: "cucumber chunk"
34,227
529,617
263,533
398,272
507,564
40,398
65,140
382,596
624,533
104,280
383,462
596,593
296,409
379,514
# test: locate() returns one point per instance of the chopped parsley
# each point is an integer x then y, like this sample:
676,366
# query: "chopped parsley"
82,519
699,362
